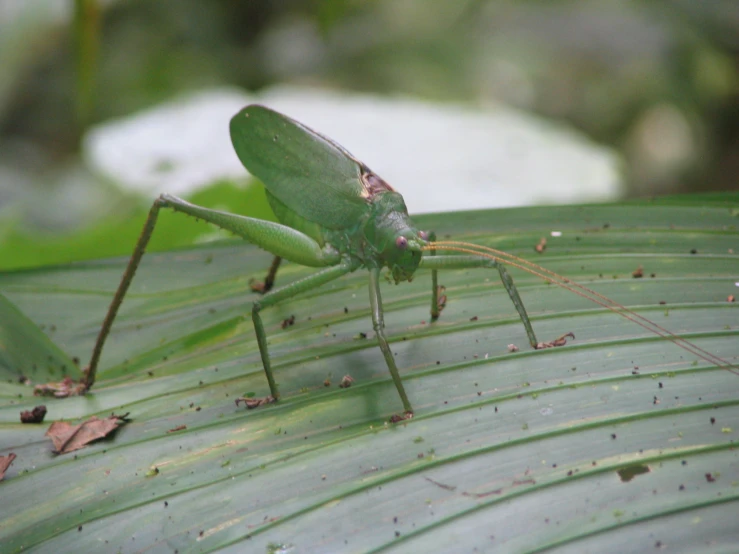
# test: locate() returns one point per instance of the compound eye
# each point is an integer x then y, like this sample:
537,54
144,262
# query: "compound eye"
401,243
424,235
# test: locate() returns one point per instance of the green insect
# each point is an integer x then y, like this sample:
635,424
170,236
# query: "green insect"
337,215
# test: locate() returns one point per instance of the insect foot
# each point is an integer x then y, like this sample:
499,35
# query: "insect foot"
63,389
252,403
257,286
262,287
401,417
561,341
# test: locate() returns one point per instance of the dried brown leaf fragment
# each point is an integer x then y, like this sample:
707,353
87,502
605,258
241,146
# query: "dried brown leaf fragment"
561,341
68,438
5,462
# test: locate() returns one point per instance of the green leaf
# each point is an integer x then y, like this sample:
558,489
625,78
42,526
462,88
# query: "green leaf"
26,353
618,441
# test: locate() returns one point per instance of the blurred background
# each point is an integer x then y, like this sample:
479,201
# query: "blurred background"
459,104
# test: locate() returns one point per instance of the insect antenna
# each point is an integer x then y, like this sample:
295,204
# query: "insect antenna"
580,290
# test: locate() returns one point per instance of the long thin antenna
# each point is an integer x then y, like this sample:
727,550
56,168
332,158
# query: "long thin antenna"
585,292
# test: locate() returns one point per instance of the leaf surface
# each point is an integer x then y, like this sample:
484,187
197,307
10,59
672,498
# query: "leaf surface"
619,441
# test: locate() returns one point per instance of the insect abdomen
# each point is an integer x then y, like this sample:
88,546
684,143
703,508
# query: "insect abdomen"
288,217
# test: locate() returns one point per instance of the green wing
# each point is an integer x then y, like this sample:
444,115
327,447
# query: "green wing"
308,173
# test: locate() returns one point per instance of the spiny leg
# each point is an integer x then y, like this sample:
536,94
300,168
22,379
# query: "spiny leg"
464,262
272,298
90,371
265,286
518,303
279,239
378,323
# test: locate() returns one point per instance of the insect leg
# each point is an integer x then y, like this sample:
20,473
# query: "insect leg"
133,263
463,262
276,238
435,309
265,286
378,323
517,302
282,293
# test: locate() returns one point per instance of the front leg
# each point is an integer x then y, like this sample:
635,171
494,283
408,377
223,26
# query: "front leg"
272,298
464,262
378,323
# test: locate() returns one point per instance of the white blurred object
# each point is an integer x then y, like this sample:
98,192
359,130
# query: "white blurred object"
441,157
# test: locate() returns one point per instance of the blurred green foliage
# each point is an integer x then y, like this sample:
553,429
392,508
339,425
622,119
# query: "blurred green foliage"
116,234
658,81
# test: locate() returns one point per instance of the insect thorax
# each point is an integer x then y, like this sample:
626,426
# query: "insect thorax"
389,220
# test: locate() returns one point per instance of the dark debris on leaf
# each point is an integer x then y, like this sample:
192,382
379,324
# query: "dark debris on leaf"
36,415
626,474
561,341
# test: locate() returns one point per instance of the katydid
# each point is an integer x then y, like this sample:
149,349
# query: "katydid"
337,215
